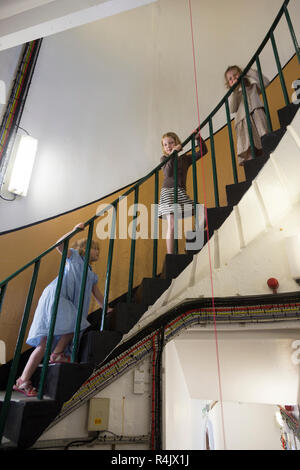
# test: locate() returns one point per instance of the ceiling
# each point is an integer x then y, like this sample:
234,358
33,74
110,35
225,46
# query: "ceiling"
25,20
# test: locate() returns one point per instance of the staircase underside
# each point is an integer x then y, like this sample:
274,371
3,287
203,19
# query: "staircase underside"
258,311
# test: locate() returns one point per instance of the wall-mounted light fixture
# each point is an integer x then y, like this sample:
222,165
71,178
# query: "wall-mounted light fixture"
292,245
2,92
25,148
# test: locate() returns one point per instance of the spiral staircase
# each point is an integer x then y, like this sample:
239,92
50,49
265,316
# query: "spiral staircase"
179,295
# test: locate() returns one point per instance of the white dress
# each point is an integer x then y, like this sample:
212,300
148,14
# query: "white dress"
68,302
257,116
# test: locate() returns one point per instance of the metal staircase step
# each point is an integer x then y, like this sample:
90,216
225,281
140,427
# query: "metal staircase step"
63,380
96,345
253,167
270,141
124,316
151,289
235,192
216,216
28,418
287,114
175,264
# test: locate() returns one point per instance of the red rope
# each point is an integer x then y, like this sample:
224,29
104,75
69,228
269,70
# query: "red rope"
153,394
205,206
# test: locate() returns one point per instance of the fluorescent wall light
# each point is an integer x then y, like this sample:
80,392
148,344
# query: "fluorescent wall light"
292,245
25,150
2,92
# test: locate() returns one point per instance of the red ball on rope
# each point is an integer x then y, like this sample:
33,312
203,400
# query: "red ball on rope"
273,284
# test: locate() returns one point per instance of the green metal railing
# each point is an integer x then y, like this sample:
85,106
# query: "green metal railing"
35,263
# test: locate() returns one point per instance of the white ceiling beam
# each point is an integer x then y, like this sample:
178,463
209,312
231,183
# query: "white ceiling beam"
55,16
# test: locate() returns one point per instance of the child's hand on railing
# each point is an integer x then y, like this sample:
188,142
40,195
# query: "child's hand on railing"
177,148
60,247
80,226
197,134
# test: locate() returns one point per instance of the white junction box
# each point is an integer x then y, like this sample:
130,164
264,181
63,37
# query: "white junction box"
98,414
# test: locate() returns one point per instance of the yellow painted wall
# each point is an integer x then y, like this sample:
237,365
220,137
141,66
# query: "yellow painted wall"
19,247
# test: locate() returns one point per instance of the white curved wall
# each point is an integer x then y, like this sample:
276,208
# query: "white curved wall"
256,373
102,94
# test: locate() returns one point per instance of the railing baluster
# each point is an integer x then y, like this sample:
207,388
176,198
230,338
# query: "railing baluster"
155,228
16,358
82,291
279,68
2,294
132,248
109,264
292,31
263,92
213,161
175,203
233,161
195,185
53,320
249,126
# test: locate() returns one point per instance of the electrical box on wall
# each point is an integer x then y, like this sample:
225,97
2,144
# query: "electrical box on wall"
98,414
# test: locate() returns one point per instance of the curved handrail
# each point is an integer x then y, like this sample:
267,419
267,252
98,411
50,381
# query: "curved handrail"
222,102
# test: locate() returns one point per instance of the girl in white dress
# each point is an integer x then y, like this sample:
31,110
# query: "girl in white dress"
256,111
66,312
